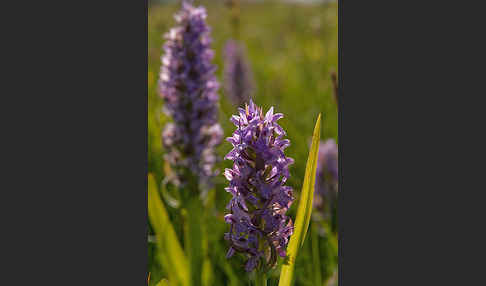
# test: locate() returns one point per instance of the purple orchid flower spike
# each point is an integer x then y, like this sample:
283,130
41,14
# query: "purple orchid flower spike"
238,78
259,227
189,89
326,176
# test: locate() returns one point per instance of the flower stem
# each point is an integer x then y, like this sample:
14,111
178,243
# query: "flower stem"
316,254
261,279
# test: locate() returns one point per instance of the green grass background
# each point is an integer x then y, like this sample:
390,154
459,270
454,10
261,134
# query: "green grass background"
291,48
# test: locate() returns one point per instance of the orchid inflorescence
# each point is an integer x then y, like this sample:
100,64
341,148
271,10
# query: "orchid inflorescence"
326,178
259,227
189,89
238,78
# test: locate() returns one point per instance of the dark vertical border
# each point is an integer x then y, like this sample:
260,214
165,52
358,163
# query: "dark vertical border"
145,169
384,146
85,146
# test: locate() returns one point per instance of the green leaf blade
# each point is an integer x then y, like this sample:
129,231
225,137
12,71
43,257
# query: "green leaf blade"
304,210
170,250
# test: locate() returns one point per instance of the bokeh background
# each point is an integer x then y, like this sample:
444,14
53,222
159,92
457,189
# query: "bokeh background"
292,47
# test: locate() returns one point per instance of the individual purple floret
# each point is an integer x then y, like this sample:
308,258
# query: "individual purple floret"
327,172
259,227
189,89
238,78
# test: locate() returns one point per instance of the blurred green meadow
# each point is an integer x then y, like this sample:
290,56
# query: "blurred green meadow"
292,48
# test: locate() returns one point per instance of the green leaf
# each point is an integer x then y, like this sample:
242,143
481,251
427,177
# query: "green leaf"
168,245
304,210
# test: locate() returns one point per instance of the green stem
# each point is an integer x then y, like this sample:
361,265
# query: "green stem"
235,18
316,254
261,279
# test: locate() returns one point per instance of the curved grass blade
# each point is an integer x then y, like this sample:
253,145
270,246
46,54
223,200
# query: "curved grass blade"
167,242
304,210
